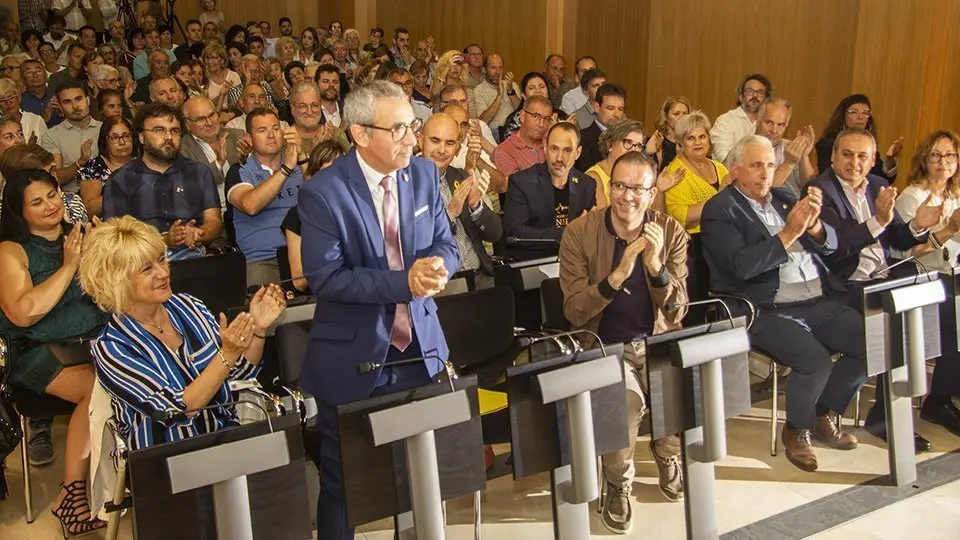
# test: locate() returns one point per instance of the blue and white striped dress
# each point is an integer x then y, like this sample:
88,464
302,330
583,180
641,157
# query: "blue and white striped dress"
143,375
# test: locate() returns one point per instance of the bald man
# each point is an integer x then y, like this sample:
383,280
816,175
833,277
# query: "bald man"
479,160
206,142
497,96
471,221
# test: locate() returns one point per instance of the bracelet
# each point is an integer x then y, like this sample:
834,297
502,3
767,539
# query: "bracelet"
223,360
936,243
256,335
287,171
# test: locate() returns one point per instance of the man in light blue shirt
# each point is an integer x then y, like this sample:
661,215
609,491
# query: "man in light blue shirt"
269,186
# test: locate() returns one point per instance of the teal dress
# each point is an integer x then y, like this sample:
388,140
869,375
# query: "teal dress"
32,365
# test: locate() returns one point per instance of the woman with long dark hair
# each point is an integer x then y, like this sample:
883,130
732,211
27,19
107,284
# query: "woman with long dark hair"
41,303
855,112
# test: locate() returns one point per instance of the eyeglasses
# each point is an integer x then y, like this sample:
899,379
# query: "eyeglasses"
636,191
9,100
458,102
935,157
119,138
112,81
860,112
400,131
630,146
537,117
204,119
750,92
304,107
160,131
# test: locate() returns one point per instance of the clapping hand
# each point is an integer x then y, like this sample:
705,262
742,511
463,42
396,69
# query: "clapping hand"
237,335
653,234
481,183
266,305
427,276
895,148
928,214
884,205
459,197
667,180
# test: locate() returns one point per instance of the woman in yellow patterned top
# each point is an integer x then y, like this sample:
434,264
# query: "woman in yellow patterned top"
620,137
703,178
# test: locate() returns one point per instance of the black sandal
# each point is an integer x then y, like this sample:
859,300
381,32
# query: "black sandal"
74,512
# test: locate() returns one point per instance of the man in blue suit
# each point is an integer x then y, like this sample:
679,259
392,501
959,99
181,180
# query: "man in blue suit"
860,206
764,245
376,248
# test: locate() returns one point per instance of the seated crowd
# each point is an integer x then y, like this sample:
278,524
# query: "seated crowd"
121,152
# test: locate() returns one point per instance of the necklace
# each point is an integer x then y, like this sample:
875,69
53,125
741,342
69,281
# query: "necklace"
159,329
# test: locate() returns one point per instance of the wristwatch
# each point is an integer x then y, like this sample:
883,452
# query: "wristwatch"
512,92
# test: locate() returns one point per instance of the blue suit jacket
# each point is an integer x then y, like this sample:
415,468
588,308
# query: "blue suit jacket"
743,257
852,235
345,261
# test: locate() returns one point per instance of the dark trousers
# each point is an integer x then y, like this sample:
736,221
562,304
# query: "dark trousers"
803,336
331,508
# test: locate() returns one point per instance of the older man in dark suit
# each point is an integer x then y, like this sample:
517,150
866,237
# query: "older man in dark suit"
206,142
764,245
541,200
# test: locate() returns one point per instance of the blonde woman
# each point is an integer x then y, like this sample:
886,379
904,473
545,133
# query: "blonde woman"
662,144
286,50
703,177
162,351
449,70
220,78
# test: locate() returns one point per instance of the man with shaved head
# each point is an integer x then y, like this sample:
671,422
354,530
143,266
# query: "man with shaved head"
472,155
472,222
206,142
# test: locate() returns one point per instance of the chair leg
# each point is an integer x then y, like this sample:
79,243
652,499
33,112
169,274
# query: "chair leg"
603,484
856,410
27,487
119,492
477,535
774,413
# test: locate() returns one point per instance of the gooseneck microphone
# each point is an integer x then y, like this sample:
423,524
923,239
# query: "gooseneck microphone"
369,367
892,266
519,240
168,417
526,341
672,307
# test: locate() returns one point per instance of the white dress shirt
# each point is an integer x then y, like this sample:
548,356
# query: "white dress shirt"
373,179
729,128
333,117
573,100
871,257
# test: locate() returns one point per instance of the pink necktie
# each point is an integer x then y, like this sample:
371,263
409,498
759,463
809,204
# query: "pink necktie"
401,335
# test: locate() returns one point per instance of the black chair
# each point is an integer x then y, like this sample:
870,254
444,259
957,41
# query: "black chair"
479,329
552,297
33,405
292,340
220,281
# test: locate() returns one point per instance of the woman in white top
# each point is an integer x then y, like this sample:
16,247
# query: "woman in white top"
220,78
934,174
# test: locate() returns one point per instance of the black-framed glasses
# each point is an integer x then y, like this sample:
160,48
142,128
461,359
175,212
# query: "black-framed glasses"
631,146
937,157
636,191
398,132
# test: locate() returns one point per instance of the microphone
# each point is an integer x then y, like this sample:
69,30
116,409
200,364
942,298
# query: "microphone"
168,417
517,240
526,341
305,403
892,266
672,307
369,367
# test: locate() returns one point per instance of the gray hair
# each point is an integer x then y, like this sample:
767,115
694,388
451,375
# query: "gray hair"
775,101
735,157
360,104
303,88
690,122
102,72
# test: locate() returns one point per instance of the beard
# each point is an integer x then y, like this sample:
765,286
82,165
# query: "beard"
166,151
331,94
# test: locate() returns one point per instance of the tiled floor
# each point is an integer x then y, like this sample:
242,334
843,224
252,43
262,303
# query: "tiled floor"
751,486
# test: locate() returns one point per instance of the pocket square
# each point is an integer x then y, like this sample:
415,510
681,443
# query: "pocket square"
420,211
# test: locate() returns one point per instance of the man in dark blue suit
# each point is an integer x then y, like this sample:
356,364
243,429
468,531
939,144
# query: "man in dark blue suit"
542,199
764,245
860,207
376,248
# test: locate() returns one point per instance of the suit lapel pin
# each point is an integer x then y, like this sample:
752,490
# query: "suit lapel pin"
575,179
784,206
406,178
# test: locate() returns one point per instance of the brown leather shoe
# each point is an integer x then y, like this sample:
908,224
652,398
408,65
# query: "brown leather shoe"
829,433
799,449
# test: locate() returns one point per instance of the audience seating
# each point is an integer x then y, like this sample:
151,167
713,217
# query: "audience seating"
220,281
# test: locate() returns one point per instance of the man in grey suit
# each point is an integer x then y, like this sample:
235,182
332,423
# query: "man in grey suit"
471,220
206,142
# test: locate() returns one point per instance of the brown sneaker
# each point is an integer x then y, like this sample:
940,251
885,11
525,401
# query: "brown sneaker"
829,433
799,449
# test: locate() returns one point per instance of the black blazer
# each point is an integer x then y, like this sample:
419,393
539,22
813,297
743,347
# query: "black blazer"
743,258
528,209
590,144
824,148
487,227
853,236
